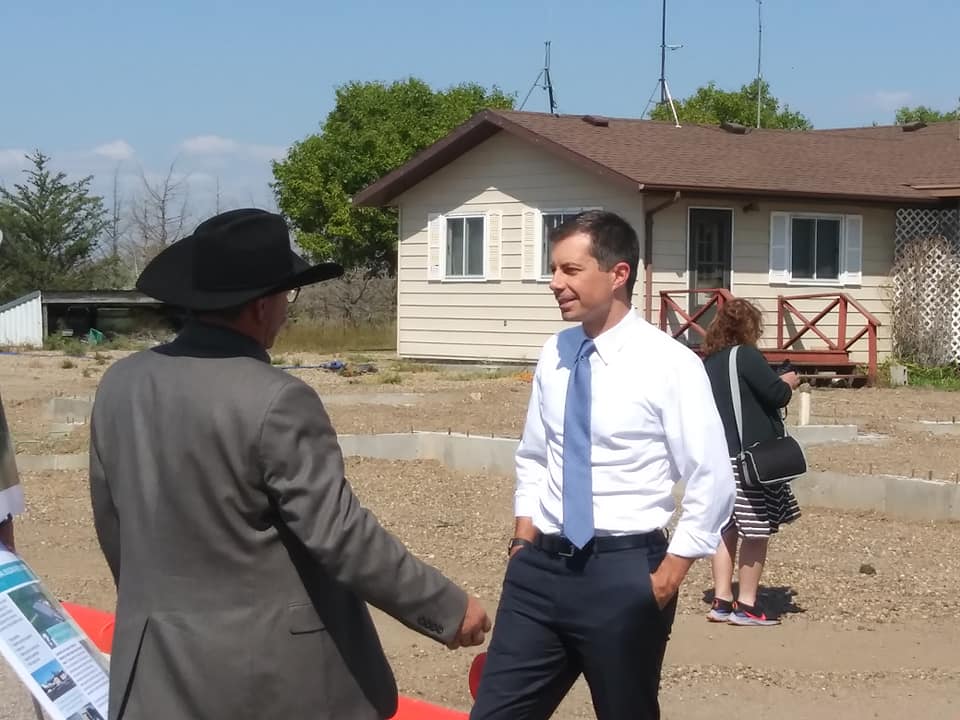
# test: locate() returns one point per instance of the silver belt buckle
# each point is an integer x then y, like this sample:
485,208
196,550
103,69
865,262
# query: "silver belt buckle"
570,552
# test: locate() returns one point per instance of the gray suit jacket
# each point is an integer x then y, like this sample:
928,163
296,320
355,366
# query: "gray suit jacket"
242,558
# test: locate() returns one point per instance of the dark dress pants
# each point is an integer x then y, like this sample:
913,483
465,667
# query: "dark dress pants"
558,617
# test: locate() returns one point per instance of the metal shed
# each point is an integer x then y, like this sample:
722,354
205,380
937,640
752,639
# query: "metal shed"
21,321
28,320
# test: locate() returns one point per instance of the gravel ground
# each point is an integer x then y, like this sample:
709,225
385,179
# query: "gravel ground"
883,634
853,644
407,396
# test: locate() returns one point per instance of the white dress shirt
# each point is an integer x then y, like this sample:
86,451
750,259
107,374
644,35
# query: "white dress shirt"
654,422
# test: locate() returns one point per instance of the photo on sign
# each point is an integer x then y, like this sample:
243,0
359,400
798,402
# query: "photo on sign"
41,612
53,680
88,713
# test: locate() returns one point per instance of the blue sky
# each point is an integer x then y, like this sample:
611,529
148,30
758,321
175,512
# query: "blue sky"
222,86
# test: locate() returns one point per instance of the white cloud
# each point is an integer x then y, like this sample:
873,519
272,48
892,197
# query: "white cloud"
209,145
266,152
889,100
13,158
215,145
115,150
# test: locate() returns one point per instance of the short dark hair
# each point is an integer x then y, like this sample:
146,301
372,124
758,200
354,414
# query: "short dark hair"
612,240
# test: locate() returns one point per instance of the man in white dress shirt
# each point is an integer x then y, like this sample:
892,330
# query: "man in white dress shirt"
619,412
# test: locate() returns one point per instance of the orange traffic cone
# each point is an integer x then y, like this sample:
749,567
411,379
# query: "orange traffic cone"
97,624
476,670
410,709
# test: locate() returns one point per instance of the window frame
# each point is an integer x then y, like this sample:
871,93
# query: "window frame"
541,250
841,248
444,250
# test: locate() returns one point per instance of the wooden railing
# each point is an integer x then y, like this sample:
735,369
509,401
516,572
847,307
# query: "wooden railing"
843,303
718,296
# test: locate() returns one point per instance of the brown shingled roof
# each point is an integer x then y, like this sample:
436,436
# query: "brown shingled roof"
876,164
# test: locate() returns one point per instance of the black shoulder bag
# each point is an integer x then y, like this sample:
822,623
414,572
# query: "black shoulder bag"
769,462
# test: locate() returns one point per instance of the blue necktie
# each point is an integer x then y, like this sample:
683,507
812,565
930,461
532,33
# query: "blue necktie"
577,468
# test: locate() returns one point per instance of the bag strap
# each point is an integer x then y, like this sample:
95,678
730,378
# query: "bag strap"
735,392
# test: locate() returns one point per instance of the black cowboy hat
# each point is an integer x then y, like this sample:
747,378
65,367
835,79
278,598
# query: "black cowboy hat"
230,259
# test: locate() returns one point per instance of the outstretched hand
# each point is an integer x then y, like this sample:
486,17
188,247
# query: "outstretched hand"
476,624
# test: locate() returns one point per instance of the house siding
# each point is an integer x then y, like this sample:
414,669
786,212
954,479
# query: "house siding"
495,320
510,318
751,258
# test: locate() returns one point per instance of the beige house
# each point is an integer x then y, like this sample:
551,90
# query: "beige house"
764,214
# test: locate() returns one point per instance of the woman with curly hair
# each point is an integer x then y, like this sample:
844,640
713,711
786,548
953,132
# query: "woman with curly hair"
758,512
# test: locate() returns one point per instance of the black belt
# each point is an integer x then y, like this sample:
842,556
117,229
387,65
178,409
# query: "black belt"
559,545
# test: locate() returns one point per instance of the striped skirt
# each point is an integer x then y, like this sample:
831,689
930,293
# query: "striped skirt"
759,512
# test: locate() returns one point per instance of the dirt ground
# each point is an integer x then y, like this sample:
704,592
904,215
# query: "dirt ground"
852,644
897,426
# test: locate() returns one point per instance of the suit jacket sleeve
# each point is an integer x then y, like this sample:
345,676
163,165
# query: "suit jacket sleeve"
304,474
105,517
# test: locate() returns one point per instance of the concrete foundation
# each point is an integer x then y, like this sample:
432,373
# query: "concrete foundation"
934,427
907,498
823,434
70,409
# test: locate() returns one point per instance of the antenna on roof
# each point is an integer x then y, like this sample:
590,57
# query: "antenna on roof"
759,53
547,82
662,82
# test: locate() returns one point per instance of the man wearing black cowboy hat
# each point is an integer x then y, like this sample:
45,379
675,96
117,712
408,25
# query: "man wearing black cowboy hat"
242,559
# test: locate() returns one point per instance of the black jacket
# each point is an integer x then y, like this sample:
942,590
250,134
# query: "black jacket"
762,394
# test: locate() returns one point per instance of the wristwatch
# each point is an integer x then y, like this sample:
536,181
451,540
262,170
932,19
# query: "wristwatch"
517,542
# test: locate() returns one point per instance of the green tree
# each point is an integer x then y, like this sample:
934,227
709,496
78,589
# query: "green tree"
922,113
51,229
710,105
373,128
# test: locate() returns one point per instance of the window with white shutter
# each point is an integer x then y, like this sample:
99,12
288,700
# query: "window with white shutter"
853,250
528,248
435,232
816,248
493,245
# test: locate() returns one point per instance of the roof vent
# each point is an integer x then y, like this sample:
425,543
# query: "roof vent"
911,126
596,120
735,128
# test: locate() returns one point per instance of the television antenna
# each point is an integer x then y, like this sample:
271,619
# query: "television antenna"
547,82
665,97
759,54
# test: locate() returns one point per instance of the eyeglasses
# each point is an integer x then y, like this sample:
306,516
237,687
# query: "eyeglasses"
292,295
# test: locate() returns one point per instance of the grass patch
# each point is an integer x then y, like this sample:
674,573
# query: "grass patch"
68,364
491,374
412,366
310,336
391,378
941,377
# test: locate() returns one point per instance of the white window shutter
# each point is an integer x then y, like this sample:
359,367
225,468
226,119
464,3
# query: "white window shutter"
492,245
853,250
779,247
435,227
530,245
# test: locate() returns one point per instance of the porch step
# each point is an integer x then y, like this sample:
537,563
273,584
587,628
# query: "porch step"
833,358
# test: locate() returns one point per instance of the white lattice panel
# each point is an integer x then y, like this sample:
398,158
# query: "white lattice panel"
930,281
